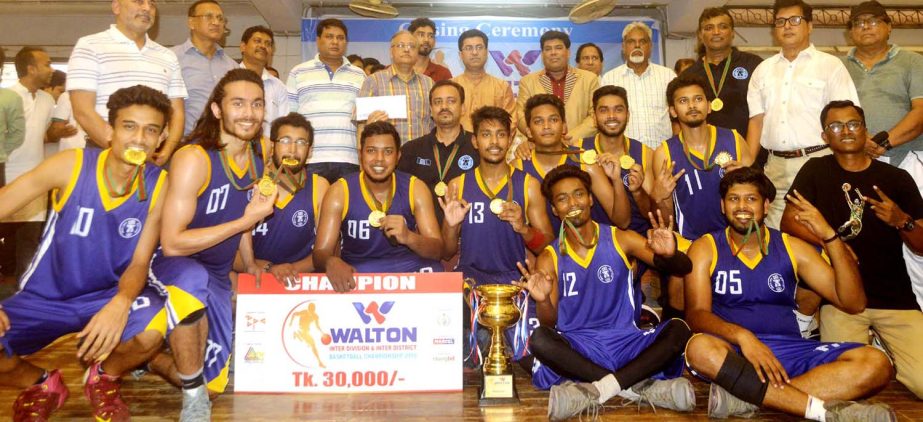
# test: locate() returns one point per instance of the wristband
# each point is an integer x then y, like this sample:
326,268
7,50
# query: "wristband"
679,264
832,238
536,239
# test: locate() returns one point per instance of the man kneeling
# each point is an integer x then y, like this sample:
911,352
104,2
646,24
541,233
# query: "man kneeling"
741,294
586,299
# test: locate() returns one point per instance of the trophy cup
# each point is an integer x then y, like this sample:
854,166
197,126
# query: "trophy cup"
497,312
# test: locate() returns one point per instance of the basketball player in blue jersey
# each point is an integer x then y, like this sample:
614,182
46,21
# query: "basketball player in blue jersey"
207,209
282,243
89,274
741,296
700,154
380,219
545,117
583,289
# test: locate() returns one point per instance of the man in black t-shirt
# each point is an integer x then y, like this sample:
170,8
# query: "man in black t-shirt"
447,151
878,209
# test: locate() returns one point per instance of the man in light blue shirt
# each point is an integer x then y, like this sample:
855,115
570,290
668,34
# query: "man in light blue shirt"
202,60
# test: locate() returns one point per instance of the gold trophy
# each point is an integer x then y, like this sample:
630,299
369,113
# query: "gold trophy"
497,311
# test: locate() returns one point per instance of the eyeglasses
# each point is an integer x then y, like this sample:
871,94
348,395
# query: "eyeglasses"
852,125
210,17
470,48
792,20
285,140
866,23
405,46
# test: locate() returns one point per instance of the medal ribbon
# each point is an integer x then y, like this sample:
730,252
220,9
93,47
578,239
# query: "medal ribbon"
490,194
251,168
709,150
137,174
711,79
563,244
442,170
375,203
752,228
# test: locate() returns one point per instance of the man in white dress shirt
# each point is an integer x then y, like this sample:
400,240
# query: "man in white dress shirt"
256,49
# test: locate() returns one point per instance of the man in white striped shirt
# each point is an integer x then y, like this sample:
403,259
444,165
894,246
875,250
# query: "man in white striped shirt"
119,57
646,84
324,91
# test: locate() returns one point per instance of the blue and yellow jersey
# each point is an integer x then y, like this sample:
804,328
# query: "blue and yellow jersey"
288,234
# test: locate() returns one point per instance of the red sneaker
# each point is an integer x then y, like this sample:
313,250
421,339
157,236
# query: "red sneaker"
102,391
37,402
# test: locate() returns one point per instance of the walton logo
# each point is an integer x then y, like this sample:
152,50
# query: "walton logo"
373,310
516,59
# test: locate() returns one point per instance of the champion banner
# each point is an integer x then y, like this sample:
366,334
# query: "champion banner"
513,43
394,332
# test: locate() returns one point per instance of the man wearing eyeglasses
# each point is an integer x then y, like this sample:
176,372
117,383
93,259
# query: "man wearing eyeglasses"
203,61
786,93
877,209
481,88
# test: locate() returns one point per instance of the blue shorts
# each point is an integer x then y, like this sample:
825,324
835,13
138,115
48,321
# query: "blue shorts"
36,322
189,287
611,349
799,355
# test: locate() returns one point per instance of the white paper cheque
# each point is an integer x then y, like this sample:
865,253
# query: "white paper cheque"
393,333
394,105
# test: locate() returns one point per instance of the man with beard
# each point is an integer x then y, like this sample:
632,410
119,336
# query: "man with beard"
547,127
645,83
700,154
282,243
741,297
497,202
447,151
881,211
424,29
379,220
255,47
586,307
208,207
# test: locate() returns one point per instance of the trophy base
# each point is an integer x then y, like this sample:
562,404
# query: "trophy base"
497,390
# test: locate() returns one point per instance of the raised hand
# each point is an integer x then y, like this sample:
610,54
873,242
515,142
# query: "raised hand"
454,207
512,213
886,210
808,216
635,178
660,237
610,164
538,284
260,206
665,181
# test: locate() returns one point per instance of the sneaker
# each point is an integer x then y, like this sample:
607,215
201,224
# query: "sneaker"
103,392
196,406
722,404
571,399
850,411
674,394
37,402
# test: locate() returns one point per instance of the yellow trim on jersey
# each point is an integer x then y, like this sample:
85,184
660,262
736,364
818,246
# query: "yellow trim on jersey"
219,383
366,195
314,202
208,166
58,204
517,164
182,302
751,263
461,185
283,200
345,198
791,254
486,189
682,244
413,181
158,323
737,142
542,172
618,248
158,188
646,157
586,260
712,140
525,197
666,150
714,253
110,203
554,259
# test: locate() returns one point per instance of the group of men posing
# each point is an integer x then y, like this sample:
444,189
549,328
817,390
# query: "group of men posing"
137,260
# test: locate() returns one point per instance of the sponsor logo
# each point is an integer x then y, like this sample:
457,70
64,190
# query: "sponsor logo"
373,310
255,321
441,357
443,341
465,162
424,161
129,228
515,61
254,354
740,73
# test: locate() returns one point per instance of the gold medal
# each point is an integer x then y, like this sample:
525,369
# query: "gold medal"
626,162
375,218
573,213
267,186
723,158
440,189
717,104
588,157
134,156
496,206
289,162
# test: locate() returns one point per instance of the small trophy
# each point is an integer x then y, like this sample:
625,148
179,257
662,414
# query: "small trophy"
498,311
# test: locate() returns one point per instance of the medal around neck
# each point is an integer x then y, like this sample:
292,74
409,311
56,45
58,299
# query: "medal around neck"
440,189
134,156
625,162
375,218
588,157
289,162
717,104
496,206
723,158
267,186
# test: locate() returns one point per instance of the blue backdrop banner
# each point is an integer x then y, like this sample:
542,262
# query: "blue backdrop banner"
513,42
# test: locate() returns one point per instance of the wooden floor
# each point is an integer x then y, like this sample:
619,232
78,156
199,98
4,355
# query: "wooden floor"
152,399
